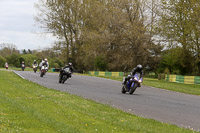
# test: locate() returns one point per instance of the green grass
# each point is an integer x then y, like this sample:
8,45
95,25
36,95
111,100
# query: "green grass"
26,107
19,69
178,87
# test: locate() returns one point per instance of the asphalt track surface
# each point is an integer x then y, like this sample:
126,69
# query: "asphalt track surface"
162,105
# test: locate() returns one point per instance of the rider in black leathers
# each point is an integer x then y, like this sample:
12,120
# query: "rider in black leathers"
137,69
70,66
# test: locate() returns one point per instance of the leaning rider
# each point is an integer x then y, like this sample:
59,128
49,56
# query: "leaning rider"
137,69
70,66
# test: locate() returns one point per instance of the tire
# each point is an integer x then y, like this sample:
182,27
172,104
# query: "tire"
123,89
132,89
64,79
42,74
60,80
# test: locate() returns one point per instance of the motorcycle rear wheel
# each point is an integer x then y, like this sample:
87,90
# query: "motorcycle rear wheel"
123,89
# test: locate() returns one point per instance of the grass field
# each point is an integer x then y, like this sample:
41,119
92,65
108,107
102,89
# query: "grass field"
178,87
26,107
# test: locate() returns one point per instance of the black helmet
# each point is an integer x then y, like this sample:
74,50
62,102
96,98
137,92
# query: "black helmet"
139,67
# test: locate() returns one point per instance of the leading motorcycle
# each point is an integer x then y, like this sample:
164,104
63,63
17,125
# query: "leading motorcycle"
131,84
43,71
66,74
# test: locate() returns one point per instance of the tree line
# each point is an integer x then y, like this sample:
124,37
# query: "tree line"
14,57
116,35
162,35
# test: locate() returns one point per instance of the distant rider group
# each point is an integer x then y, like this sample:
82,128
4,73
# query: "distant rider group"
65,72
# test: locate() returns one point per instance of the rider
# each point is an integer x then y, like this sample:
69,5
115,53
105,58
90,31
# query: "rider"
35,63
23,64
44,63
137,69
6,65
70,66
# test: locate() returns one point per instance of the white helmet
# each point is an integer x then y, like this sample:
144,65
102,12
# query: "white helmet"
139,67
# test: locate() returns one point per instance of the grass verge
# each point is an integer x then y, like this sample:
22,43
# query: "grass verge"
28,107
178,87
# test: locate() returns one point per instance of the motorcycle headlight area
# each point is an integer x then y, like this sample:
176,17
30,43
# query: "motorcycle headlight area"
67,70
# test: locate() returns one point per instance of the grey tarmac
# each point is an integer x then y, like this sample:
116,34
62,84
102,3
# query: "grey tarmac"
162,105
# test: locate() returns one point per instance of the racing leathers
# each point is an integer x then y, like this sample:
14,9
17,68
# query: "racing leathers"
62,71
133,72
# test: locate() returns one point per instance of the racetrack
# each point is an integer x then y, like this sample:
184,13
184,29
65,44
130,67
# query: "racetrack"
166,106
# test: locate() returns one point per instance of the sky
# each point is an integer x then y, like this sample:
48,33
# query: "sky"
18,27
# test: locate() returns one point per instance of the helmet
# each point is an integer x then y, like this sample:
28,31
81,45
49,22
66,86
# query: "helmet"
139,67
22,62
34,60
45,60
70,64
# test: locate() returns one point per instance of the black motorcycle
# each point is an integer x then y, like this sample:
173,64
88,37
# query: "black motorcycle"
64,75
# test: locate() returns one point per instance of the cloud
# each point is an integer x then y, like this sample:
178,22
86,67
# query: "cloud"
17,25
27,40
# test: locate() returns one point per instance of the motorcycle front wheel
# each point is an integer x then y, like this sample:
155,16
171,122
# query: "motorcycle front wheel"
64,79
42,74
132,89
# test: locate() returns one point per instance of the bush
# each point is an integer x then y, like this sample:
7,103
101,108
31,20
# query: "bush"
13,60
100,63
2,61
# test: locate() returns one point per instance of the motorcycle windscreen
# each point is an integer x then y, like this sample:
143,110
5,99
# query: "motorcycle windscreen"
67,70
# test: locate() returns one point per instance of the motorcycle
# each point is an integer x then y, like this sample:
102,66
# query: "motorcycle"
23,67
131,85
6,66
34,68
66,74
43,71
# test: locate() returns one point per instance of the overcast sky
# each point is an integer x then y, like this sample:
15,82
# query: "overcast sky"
17,25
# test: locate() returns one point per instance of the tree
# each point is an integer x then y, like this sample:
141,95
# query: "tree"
114,30
180,27
8,49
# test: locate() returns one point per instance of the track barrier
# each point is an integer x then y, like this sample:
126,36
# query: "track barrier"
110,74
183,79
